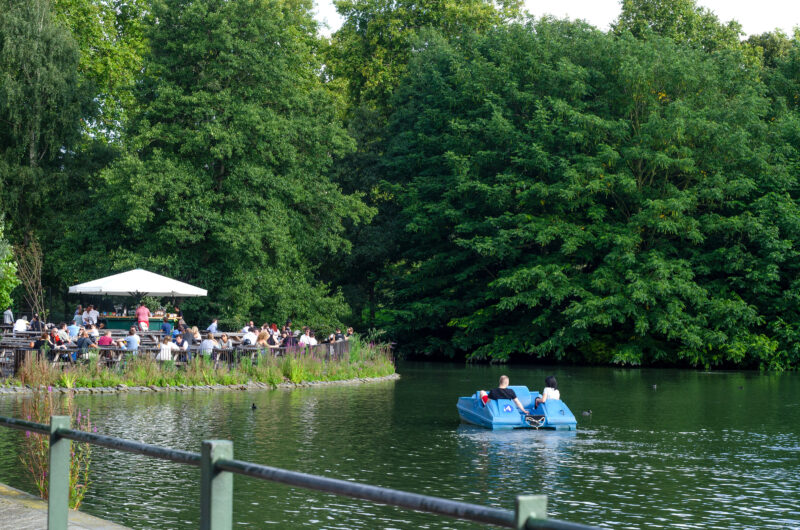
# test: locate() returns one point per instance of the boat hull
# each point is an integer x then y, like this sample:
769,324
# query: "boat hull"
503,413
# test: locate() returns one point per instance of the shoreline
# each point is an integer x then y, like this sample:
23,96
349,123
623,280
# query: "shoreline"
24,511
121,389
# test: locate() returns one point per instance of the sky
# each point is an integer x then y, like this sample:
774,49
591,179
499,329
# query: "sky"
754,16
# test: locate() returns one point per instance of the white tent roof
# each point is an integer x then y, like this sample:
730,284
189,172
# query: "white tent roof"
138,282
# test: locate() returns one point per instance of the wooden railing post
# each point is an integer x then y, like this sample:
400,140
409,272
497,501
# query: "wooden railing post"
216,487
58,486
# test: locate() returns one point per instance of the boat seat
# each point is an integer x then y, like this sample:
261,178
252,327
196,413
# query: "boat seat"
523,394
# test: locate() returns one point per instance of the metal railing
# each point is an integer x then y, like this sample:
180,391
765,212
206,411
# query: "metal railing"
217,467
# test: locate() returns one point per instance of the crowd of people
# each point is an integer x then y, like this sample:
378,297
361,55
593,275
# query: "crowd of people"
87,332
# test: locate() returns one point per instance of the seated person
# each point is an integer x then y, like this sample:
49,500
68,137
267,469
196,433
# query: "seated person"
42,344
503,392
208,345
182,344
85,344
132,341
225,342
56,340
550,391
106,339
249,338
166,327
165,352
73,330
21,324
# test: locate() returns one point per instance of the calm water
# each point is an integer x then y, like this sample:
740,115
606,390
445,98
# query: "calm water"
702,450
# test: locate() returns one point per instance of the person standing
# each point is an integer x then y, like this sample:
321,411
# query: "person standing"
77,318
8,316
143,317
212,328
94,314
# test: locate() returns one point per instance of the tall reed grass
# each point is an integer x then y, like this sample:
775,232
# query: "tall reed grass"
364,360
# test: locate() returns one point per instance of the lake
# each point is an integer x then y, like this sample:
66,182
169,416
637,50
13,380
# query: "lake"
700,450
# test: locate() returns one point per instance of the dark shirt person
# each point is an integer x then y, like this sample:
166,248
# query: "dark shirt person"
503,392
42,342
36,324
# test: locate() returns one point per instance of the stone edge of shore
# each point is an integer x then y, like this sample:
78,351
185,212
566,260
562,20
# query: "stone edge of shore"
23,510
22,390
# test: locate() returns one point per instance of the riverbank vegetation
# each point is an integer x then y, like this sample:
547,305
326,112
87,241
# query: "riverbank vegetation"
477,183
364,361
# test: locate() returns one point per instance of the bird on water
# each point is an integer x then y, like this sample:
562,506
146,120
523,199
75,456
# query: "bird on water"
587,412
254,406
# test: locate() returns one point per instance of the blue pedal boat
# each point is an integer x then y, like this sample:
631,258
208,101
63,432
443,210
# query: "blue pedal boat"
504,414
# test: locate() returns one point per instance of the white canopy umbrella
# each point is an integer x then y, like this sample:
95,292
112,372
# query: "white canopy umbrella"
138,282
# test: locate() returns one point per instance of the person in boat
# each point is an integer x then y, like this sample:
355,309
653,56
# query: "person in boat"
503,392
550,391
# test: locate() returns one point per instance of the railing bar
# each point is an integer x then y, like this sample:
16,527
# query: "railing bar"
413,501
129,446
388,496
23,425
555,524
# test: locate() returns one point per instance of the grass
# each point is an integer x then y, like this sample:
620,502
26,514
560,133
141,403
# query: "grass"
365,360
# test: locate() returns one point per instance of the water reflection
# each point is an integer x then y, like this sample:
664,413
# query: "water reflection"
696,452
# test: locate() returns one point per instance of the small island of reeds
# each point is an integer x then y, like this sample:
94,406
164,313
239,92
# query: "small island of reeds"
364,360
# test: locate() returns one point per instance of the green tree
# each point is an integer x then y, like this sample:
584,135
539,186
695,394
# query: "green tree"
367,58
8,271
223,182
41,106
372,48
680,20
110,38
772,46
580,196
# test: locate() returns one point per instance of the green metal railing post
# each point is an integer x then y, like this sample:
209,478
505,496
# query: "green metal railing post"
58,487
216,486
529,507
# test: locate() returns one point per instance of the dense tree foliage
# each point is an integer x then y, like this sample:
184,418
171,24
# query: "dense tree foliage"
8,270
110,39
680,20
41,105
223,181
478,183
571,194
367,59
